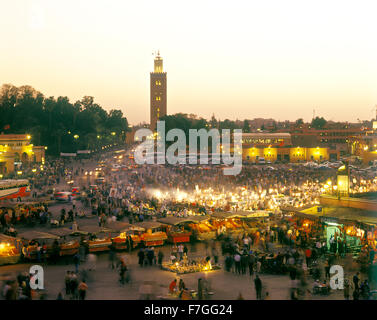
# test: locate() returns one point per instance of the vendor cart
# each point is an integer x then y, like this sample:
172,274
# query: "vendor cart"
99,238
176,229
124,231
9,250
68,245
31,239
153,234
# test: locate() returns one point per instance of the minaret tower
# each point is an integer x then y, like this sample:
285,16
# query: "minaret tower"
158,92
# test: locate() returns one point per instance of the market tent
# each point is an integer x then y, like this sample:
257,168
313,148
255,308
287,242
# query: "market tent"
118,226
147,225
92,229
5,238
341,215
222,215
61,232
30,235
179,220
241,214
253,214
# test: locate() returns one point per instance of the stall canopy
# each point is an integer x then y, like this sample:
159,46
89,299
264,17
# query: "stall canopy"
92,229
147,225
178,220
241,214
341,215
5,238
30,235
119,226
61,232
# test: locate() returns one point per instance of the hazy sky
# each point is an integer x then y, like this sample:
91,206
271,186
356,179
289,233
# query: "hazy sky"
237,59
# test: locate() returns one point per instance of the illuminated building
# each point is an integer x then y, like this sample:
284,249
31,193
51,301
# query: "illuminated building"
273,147
335,137
16,149
158,92
364,147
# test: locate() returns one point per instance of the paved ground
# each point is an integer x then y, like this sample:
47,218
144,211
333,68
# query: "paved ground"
103,282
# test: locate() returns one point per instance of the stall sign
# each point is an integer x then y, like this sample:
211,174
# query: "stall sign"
258,215
355,232
360,233
329,220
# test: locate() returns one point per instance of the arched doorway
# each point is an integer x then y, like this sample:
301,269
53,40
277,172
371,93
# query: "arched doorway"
16,157
25,157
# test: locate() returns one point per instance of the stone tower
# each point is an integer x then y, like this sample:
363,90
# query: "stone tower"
158,92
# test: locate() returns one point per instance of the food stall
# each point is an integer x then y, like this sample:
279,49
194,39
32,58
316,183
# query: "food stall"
124,230
190,266
68,245
9,250
201,228
152,234
226,222
252,220
176,229
31,239
99,238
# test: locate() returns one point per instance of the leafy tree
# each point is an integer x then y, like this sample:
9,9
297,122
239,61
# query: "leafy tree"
246,126
54,122
318,123
299,122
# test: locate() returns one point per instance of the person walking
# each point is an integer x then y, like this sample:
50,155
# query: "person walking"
112,257
122,271
346,289
327,269
67,281
365,290
73,285
237,262
82,288
180,251
200,289
160,257
150,256
141,256
251,263
308,255
356,280
76,261
258,287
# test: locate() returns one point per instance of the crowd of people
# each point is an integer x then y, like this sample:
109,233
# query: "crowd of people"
134,193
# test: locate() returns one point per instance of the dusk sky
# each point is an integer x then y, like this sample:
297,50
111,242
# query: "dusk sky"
237,59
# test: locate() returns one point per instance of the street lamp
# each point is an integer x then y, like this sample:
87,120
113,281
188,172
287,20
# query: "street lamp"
113,133
76,136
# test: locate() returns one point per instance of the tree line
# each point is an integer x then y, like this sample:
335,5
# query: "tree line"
57,123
